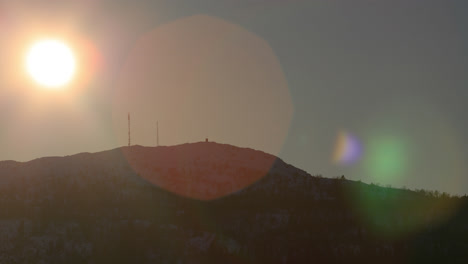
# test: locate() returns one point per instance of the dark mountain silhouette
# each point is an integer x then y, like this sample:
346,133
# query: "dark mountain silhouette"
212,203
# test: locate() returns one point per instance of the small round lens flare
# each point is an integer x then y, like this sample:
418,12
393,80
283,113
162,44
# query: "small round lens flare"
50,63
348,149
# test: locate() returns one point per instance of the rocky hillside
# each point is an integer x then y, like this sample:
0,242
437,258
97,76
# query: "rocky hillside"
211,203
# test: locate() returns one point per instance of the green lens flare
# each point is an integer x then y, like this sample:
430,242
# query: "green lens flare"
387,159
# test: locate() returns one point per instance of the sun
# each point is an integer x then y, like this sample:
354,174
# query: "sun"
51,63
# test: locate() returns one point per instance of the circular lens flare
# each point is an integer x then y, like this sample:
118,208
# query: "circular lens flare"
206,71
387,158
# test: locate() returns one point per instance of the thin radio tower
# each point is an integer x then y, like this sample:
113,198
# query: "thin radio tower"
129,129
157,133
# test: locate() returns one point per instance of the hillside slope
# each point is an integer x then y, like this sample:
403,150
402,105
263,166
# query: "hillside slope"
203,170
211,203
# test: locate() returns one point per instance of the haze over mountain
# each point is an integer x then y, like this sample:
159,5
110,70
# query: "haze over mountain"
287,77
371,94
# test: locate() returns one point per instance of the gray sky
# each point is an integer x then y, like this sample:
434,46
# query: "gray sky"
285,77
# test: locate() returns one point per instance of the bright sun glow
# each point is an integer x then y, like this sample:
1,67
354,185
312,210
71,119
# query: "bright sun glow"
50,63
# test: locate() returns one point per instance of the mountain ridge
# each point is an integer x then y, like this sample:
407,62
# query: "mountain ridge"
202,165
102,208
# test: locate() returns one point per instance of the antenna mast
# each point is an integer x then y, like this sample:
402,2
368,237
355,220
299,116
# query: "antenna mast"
129,129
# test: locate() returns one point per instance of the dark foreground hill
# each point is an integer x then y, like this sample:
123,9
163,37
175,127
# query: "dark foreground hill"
213,203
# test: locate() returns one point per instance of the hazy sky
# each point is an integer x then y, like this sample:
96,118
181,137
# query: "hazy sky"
286,77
